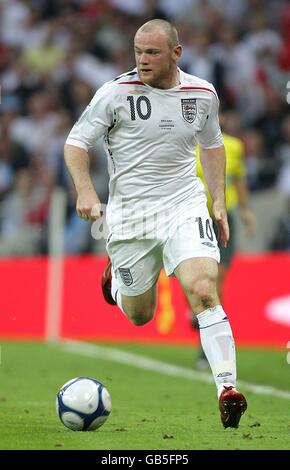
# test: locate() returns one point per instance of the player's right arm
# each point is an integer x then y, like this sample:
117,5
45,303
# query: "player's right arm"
93,123
77,162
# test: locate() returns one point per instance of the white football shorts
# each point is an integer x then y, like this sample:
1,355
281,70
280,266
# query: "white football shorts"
137,262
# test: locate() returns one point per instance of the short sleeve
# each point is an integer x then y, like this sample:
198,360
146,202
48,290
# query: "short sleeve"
94,121
211,136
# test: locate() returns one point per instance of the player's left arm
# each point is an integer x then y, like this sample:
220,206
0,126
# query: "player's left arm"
213,162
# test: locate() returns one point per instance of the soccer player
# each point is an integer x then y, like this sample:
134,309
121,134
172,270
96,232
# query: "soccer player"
237,195
151,119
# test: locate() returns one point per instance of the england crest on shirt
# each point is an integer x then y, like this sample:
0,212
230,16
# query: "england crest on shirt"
189,109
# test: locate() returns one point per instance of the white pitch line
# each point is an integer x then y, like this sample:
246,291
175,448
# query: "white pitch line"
143,362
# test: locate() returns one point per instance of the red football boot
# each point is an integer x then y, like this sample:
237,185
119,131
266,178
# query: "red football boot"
232,405
107,283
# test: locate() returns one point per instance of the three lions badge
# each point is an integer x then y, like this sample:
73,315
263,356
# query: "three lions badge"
126,276
189,109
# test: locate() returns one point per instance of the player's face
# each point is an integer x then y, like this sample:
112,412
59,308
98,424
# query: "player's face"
156,61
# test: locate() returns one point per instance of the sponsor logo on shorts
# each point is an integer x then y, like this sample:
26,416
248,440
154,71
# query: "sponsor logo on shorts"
126,276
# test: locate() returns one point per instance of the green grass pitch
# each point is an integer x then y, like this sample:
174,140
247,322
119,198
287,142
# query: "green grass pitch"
150,410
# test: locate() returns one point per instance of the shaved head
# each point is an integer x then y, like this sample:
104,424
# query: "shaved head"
157,51
161,26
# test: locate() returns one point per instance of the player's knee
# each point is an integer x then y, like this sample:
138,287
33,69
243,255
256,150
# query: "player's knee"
140,317
204,291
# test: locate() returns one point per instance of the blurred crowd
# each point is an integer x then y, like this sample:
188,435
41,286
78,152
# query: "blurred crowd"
54,55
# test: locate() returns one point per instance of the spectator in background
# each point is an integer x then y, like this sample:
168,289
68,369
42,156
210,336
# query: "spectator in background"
199,60
261,167
240,85
12,158
36,130
283,150
54,54
24,214
269,124
6,172
281,237
284,56
261,39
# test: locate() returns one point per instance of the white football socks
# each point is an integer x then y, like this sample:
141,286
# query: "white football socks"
115,291
218,344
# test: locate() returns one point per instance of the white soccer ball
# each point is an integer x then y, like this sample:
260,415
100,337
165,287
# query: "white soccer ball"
83,404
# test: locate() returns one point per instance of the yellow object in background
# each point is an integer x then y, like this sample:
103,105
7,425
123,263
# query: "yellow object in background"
166,316
235,169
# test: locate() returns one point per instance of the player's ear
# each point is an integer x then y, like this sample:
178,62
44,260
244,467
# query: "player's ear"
177,52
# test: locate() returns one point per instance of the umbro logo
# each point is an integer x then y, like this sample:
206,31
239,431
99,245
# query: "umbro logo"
211,245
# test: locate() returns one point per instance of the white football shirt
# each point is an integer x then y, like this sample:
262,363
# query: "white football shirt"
150,137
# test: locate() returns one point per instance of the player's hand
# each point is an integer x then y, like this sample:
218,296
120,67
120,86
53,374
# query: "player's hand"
249,220
88,205
220,216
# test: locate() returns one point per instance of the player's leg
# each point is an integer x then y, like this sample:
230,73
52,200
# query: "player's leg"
192,255
193,260
198,278
226,255
133,277
201,361
140,309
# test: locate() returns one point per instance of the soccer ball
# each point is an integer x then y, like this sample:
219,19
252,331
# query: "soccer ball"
83,404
